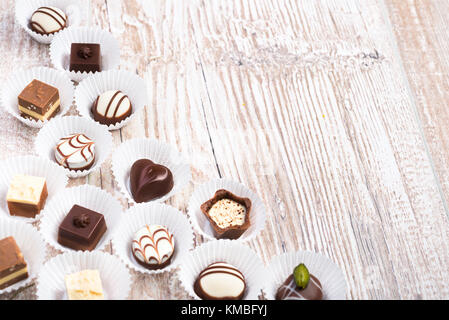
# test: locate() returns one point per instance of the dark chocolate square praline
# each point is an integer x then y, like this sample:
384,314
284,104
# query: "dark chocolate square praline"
81,229
85,57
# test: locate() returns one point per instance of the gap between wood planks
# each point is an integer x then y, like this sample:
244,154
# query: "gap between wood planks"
204,111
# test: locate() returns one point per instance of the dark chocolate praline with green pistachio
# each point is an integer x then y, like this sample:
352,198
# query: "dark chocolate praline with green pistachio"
300,285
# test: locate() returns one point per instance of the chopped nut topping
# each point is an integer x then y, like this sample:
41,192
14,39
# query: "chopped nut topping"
228,213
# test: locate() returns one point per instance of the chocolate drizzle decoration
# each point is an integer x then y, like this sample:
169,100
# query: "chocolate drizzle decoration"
290,291
153,243
81,221
153,247
52,13
85,53
220,281
83,147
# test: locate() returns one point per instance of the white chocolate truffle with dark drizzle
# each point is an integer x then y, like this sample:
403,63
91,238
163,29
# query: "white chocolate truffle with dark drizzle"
48,20
111,107
220,281
153,247
75,152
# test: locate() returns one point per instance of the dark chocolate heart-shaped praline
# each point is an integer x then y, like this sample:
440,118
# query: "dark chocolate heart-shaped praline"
149,180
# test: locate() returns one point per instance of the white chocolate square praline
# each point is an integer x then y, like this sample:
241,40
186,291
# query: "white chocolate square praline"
84,285
25,189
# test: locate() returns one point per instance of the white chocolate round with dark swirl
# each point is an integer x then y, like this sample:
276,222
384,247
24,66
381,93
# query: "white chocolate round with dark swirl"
48,20
75,152
153,246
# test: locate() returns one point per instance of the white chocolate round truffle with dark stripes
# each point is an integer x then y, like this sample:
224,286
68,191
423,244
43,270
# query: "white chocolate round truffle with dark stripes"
111,107
48,20
153,246
220,281
75,152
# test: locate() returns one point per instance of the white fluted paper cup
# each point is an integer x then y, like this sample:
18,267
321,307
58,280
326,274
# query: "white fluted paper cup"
14,85
54,175
158,152
143,214
206,191
115,277
127,82
30,244
235,253
61,45
76,11
87,196
49,136
326,271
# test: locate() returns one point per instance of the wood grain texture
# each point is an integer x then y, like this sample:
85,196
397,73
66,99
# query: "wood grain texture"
320,82
421,32
305,102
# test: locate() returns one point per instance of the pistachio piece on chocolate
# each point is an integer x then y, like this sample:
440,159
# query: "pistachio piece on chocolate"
301,275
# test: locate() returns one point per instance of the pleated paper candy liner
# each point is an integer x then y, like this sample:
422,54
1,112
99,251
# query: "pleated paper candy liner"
87,196
143,214
127,82
61,45
232,252
75,10
115,277
30,244
48,137
206,191
327,272
14,85
54,175
158,152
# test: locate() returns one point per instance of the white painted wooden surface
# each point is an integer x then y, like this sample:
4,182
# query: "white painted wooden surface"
315,105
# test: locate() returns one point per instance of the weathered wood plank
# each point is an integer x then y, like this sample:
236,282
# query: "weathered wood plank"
420,28
350,175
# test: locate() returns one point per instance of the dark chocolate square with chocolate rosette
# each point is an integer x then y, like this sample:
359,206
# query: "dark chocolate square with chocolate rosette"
81,229
85,57
228,214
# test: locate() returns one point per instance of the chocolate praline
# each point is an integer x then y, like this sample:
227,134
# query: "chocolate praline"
290,291
153,247
81,229
85,57
39,101
111,107
149,180
75,152
13,267
228,214
220,281
26,195
48,20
